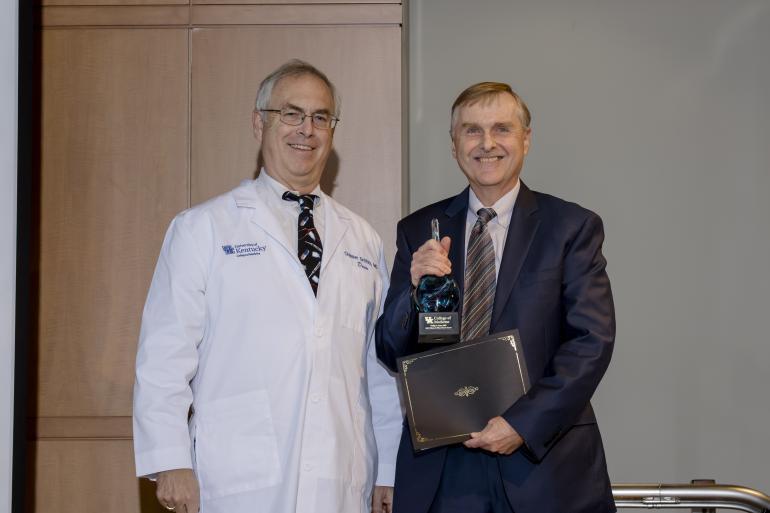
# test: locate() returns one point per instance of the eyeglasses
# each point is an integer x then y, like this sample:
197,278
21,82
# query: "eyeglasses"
294,117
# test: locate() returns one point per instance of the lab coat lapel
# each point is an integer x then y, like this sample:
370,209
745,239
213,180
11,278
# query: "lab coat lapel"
521,232
253,195
335,226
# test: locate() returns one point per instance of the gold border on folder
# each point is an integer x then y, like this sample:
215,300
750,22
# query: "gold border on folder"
405,367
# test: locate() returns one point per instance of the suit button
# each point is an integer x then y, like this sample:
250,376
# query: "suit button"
319,331
307,467
315,398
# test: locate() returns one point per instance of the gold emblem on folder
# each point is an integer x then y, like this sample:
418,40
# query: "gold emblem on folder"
511,340
466,391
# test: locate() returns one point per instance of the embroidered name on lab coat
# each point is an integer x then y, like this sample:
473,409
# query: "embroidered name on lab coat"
362,262
246,249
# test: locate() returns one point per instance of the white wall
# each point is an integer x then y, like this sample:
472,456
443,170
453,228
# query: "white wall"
8,127
655,114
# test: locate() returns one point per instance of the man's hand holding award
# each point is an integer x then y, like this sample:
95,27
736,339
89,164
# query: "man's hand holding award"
436,296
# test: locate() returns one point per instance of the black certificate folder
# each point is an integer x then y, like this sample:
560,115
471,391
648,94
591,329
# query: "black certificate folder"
454,390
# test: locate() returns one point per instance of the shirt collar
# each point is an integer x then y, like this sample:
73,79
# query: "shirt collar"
503,207
278,188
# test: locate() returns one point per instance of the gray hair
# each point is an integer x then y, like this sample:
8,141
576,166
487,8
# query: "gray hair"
293,68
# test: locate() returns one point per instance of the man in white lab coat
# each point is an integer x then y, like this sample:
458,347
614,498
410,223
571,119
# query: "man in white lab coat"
267,332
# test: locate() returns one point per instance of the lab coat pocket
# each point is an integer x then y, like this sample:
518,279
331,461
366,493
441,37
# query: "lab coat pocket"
358,303
236,447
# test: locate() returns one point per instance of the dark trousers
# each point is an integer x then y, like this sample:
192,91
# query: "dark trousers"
470,483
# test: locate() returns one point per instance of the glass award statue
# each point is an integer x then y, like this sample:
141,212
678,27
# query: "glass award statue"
436,299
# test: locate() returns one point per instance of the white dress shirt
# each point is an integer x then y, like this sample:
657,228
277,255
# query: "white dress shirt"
292,208
498,226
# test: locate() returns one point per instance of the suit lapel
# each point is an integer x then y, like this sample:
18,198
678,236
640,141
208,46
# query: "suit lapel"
453,226
521,232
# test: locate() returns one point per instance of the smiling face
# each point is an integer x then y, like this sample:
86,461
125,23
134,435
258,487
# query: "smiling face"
489,143
296,155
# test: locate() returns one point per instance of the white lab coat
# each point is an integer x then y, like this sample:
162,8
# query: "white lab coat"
292,412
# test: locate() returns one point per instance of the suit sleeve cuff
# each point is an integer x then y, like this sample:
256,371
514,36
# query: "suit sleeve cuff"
535,447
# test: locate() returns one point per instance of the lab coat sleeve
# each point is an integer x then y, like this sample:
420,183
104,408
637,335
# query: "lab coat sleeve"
167,358
383,393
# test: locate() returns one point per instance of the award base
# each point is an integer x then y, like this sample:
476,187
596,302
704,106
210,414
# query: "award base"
438,328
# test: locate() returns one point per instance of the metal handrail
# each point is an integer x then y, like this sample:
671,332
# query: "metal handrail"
695,496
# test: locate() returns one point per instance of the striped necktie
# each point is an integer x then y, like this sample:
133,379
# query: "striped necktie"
309,247
480,281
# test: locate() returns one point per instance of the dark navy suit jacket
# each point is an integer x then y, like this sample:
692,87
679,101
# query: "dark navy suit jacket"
551,286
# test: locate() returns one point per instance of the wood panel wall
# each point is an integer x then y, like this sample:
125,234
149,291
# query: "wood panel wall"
145,110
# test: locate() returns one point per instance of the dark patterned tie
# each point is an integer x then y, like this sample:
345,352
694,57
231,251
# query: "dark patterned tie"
309,247
480,279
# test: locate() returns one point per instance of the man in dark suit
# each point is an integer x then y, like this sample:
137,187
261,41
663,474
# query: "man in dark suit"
523,260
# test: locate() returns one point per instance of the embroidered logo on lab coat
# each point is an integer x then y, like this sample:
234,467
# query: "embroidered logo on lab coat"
362,262
245,249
